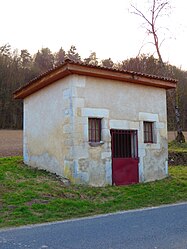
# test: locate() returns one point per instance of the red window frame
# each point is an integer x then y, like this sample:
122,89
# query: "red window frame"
94,129
148,132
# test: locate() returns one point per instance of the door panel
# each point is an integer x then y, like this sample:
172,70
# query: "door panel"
125,171
124,157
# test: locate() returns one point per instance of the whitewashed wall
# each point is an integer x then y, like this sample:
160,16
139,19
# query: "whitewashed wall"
56,127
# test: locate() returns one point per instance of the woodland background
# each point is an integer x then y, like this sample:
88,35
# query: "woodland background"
18,68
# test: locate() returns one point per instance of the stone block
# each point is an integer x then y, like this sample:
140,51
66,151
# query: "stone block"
95,112
108,169
105,135
105,123
119,124
83,164
66,93
144,116
105,155
97,174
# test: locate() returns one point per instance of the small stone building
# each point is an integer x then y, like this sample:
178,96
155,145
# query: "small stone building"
96,126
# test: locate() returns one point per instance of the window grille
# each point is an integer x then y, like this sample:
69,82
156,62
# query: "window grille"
94,128
148,132
124,144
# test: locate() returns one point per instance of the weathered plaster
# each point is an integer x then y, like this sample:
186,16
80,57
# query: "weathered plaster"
155,162
56,127
47,128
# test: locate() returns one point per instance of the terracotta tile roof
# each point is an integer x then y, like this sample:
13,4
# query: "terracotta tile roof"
81,68
120,70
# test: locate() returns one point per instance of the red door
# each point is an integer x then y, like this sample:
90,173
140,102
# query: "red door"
124,157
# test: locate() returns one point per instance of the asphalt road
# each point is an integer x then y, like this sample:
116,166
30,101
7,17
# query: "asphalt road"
157,228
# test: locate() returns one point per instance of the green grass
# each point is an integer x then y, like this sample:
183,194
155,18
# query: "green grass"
174,146
30,196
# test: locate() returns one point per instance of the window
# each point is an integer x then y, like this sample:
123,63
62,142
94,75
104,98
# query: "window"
124,143
94,129
148,132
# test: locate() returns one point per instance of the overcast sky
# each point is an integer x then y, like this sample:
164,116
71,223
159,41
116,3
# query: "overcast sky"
102,26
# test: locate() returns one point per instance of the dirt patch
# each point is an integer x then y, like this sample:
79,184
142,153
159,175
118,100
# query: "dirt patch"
173,134
11,143
37,201
177,158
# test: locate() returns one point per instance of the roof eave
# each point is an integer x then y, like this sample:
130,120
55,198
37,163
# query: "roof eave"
70,68
42,82
122,76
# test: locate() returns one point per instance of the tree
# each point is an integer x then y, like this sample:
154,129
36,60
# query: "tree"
15,70
5,50
26,58
107,63
60,57
73,55
92,59
44,60
11,78
157,9
144,64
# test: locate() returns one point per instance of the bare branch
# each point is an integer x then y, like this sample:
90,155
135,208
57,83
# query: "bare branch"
153,13
161,43
144,44
160,8
140,13
156,9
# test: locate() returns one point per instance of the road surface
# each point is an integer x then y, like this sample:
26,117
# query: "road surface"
154,228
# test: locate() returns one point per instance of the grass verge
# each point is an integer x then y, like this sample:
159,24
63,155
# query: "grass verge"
174,146
29,196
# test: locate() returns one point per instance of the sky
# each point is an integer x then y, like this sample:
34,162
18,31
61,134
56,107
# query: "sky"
106,27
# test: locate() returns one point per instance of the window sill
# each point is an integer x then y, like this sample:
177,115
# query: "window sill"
96,144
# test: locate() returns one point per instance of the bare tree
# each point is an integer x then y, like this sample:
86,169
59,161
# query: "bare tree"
158,8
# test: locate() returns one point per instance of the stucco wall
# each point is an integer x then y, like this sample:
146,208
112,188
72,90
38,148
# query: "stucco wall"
56,127
47,129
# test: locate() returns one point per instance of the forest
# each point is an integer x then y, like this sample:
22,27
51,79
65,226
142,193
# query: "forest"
19,67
